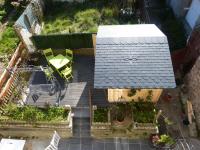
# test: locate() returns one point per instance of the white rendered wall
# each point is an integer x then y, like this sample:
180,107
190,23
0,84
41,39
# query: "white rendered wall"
193,15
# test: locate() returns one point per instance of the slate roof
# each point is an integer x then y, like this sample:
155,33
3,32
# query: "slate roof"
132,56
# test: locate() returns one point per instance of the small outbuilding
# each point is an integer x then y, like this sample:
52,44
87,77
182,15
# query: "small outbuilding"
132,57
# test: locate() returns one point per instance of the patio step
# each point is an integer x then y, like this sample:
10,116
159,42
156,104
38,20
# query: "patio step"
81,127
81,112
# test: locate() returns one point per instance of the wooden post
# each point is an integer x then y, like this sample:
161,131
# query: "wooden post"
157,116
190,111
90,106
94,43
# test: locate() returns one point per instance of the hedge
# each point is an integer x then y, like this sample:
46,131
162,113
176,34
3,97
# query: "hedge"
63,41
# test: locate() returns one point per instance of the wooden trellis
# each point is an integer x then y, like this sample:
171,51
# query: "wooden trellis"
8,80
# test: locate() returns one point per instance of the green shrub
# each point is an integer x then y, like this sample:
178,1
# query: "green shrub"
56,113
143,112
8,41
34,114
166,139
107,12
2,12
31,114
101,115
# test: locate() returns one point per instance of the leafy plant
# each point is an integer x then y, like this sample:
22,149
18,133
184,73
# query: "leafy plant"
166,139
34,114
2,14
101,115
107,12
149,96
143,112
132,92
8,41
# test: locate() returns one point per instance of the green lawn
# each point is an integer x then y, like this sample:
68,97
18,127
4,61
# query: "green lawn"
86,17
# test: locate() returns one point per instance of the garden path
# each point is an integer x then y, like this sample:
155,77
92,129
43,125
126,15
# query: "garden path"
172,109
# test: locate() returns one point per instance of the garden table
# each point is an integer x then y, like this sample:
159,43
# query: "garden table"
12,144
59,61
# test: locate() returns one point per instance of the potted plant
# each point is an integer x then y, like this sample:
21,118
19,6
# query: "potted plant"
163,141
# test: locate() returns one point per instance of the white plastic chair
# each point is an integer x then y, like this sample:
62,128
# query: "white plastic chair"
55,139
54,142
50,147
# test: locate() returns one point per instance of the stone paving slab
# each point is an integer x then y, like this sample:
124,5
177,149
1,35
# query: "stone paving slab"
103,144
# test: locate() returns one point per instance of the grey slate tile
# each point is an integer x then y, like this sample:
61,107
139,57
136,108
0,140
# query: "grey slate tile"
133,57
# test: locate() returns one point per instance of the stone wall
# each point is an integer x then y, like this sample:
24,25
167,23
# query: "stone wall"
37,130
106,130
193,86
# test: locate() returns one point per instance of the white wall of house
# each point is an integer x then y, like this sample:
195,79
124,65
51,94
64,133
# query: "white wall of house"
179,7
193,15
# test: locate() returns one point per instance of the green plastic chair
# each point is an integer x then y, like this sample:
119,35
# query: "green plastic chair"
48,53
48,72
69,54
67,73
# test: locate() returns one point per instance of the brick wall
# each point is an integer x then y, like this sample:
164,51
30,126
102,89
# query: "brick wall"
192,64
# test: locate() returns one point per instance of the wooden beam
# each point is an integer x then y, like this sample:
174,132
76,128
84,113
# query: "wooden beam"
5,75
9,82
122,95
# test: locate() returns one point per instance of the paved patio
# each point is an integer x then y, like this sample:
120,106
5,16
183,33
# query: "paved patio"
173,111
73,93
104,144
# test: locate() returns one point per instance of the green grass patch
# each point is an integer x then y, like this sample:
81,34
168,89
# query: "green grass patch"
101,115
8,41
34,114
85,18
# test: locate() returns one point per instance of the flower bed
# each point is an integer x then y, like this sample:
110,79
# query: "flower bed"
140,112
33,114
143,112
